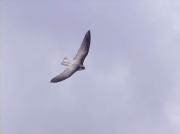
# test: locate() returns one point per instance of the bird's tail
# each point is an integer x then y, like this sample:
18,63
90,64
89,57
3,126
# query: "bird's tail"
66,62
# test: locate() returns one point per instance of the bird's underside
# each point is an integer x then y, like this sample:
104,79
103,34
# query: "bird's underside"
77,63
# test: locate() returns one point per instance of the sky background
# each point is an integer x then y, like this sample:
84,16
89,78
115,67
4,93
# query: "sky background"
131,84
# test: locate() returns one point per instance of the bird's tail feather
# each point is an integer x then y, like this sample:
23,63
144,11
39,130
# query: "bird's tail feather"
66,62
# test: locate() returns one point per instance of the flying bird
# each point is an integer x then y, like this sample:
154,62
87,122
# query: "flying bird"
76,64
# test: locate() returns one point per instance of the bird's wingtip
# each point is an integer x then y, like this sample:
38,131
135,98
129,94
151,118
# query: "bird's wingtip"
53,80
88,32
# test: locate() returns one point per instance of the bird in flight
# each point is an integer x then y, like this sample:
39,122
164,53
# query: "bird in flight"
76,64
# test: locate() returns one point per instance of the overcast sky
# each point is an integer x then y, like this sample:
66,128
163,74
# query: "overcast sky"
131,84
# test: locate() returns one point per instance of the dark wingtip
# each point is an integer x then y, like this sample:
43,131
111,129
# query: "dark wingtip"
88,36
88,32
54,80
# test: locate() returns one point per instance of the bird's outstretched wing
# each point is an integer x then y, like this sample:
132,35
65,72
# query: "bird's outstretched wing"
64,75
84,49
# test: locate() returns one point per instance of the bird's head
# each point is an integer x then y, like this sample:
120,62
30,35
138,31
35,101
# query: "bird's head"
81,67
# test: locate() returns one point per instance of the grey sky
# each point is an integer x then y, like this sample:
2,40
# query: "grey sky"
131,84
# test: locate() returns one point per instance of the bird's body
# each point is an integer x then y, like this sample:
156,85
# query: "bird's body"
77,63
72,63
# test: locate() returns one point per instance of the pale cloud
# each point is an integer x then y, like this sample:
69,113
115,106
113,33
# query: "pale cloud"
168,10
172,106
167,47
